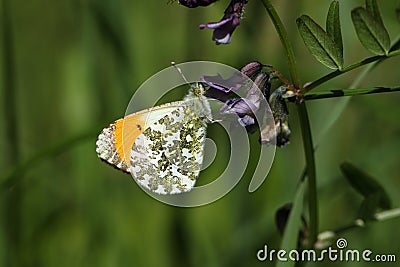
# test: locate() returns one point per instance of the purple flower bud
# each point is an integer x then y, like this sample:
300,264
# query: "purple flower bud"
252,68
196,3
223,29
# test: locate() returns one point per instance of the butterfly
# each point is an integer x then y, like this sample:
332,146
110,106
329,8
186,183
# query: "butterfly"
161,147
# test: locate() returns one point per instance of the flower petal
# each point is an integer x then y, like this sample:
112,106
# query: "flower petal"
196,3
223,29
215,25
233,83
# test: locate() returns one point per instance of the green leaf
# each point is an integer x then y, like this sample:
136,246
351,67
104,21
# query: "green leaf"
320,44
398,13
333,25
369,207
291,235
372,34
373,9
365,184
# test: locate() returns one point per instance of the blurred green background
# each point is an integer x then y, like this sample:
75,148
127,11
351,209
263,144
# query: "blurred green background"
69,67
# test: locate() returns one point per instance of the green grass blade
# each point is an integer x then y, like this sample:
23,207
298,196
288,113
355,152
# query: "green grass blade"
15,175
291,235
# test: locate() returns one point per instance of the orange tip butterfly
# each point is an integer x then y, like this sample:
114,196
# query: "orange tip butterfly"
161,147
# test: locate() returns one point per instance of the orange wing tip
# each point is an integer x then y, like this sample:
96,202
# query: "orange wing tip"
115,142
106,149
125,132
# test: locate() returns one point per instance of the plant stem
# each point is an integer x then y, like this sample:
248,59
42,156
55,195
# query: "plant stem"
387,214
284,40
378,217
304,122
336,73
349,92
311,174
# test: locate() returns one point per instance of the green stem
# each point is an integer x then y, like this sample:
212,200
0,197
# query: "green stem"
349,92
304,122
378,217
387,214
285,41
351,67
311,173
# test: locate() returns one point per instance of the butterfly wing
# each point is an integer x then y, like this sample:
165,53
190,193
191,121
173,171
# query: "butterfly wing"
166,158
115,141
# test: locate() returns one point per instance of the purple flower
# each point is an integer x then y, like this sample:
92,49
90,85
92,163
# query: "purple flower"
245,108
232,84
242,108
223,29
221,88
196,3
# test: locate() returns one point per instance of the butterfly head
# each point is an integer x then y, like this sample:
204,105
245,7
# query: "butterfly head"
197,89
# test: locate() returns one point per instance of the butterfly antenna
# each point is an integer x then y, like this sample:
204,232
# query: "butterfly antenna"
180,72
